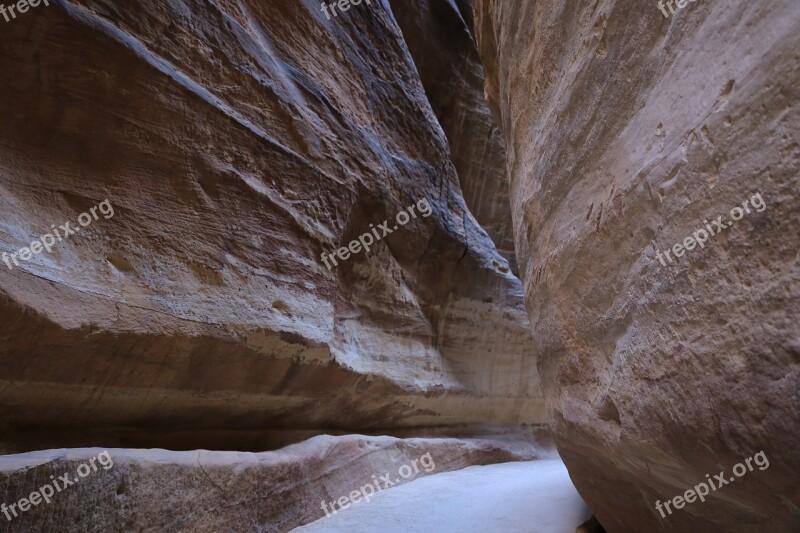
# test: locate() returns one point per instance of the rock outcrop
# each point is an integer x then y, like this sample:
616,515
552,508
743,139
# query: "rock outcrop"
237,141
204,491
626,131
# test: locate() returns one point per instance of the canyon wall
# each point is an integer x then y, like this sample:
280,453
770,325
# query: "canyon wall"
627,131
237,141
439,36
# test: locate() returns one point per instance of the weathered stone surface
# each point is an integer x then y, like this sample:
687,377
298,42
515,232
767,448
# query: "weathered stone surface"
440,38
204,491
625,130
237,140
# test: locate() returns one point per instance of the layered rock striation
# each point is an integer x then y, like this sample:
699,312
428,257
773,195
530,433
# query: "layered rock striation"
440,37
237,141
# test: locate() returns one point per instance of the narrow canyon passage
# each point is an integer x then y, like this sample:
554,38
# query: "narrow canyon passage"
399,265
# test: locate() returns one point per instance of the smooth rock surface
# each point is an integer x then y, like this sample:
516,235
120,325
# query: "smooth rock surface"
625,132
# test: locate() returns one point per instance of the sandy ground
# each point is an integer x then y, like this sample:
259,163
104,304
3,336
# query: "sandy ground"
527,497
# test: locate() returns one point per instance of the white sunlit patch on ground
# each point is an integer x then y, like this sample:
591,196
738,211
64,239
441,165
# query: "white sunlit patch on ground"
524,496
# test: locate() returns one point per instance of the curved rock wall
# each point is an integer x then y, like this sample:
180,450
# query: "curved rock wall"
237,141
440,38
626,132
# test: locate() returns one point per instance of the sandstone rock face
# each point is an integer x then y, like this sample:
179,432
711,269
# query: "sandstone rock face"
440,38
204,491
626,131
238,140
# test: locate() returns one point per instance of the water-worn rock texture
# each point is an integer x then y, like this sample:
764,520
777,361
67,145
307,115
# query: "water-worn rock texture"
205,491
237,140
626,131
440,38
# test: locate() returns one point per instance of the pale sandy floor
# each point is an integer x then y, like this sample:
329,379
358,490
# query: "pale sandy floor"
529,497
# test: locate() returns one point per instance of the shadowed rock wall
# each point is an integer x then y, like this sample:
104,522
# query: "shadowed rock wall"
439,35
237,141
626,131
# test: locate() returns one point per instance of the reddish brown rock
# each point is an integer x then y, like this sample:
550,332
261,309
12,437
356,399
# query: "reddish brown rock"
237,141
440,38
206,491
625,131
